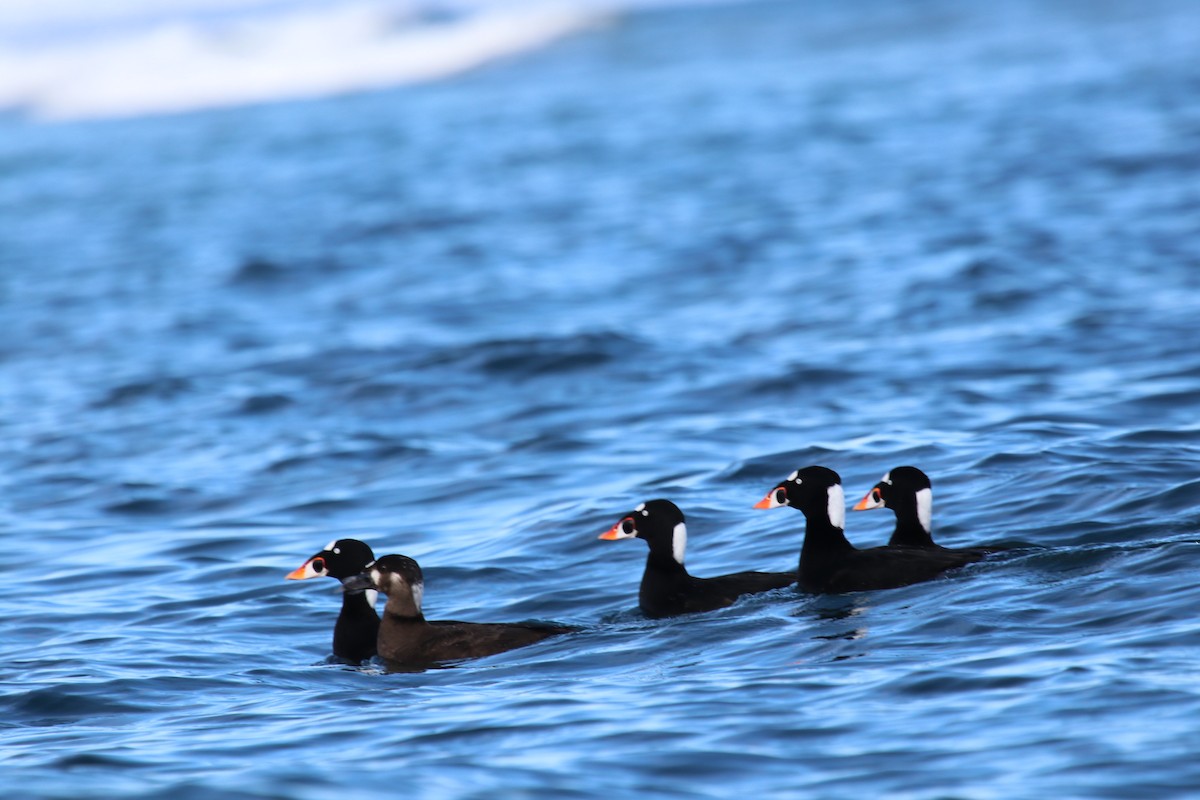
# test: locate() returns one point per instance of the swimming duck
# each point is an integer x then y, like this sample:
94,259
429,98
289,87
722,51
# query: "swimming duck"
406,638
357,624
667,589
829,563
908,492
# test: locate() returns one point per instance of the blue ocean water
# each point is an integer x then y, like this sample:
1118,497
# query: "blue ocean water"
677,256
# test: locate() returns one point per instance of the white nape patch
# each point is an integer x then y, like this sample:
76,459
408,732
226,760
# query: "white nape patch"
925,509
837,506
418,592
679,541
887,478
795,476
372,596
329,547
640,507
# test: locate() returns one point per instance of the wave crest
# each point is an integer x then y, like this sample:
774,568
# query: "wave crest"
183,66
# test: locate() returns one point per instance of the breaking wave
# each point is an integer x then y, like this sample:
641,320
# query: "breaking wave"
156,64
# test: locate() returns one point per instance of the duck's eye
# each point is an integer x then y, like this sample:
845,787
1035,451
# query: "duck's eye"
877,495
627,526
781,495
318,565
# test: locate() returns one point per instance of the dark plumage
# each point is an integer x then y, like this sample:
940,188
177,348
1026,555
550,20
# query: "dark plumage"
829,563
357,625
908,492
406,639
667,589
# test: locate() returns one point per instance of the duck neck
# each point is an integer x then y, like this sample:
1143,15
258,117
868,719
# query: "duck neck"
910,529
663,564
822,539
403,608
358,602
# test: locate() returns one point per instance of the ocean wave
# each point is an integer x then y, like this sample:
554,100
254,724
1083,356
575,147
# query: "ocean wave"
186,64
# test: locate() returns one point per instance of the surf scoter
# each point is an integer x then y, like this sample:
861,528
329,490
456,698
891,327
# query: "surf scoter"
357,625
829,563
908,492
667,589
407,639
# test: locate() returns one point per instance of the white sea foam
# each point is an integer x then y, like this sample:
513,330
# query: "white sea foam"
225,53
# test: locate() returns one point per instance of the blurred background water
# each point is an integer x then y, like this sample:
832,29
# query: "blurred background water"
467,281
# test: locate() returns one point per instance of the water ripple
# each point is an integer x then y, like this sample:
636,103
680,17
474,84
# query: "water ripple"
680,256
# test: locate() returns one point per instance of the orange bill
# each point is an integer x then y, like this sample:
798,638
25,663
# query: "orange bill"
766,501
302,572
612,533
868,502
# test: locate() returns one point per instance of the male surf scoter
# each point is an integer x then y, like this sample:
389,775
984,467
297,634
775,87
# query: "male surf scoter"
667,588
909,494
407,639
829,563
357,625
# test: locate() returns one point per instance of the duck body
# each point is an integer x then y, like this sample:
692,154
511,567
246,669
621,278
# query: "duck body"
407,639
667,589
830,572
414,641
357,625
829,563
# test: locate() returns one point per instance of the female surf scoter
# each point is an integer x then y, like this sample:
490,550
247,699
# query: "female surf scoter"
407,639
357,625
908,492
829,563
667,588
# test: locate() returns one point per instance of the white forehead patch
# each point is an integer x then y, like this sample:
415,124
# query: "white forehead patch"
679,541
887,478
329,546
837,506
925,509
795,476
640,507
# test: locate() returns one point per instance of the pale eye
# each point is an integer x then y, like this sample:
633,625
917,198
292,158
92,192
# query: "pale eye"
627,525
781,495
